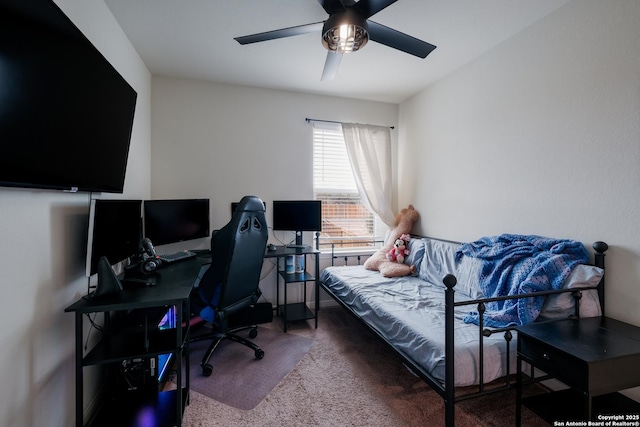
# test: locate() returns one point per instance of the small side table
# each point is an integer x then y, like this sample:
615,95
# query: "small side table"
595,356
297,311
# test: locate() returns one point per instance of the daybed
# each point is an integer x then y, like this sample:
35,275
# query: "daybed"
436,320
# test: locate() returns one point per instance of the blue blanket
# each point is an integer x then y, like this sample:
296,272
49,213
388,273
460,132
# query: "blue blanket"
515,264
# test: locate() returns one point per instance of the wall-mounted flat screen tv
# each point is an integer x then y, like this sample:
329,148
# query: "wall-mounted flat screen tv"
65,113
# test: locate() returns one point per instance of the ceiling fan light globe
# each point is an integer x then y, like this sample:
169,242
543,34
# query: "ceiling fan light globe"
345,32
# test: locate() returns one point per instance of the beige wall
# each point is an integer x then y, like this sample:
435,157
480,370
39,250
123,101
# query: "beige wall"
223,142
539,136
42,255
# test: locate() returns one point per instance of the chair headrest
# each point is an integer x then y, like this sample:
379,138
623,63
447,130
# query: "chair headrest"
250,204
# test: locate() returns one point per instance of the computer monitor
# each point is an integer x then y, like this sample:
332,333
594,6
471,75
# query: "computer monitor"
115,230
297,216
178,220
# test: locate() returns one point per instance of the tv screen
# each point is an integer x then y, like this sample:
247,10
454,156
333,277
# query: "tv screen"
115,231
297,215
171,221
65,113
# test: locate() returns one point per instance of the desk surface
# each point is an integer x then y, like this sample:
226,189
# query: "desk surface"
173,284
288,250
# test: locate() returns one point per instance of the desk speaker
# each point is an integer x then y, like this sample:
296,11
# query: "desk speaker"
108,282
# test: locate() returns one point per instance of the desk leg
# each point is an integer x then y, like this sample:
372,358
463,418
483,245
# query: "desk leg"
284,307
187,354
79,380
277,287
179,349
317,285
518,392
587,405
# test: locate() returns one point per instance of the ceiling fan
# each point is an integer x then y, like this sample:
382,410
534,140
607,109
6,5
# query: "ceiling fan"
348,29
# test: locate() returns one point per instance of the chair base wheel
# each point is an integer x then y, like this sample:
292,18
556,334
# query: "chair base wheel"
259,353
253,333
207,370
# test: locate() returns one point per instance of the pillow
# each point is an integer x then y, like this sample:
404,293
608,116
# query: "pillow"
416,253
438,261
467,273
561,306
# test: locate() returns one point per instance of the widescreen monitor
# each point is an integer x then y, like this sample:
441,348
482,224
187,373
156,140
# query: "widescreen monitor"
177,220
115,230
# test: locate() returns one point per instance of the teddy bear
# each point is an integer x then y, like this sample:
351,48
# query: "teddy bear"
399,250
379,262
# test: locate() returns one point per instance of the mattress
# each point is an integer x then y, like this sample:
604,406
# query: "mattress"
410,313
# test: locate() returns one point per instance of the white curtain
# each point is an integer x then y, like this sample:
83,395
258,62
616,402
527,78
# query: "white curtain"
369,150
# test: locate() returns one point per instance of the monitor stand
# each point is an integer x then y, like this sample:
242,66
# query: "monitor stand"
298,241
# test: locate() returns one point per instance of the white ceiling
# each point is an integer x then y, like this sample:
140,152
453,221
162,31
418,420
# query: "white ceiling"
194,39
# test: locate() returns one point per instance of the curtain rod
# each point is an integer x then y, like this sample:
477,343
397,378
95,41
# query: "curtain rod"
308,120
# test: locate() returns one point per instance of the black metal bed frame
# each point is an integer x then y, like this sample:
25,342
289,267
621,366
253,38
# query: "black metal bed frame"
446,390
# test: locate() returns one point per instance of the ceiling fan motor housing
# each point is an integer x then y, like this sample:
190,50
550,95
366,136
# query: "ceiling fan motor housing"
345,31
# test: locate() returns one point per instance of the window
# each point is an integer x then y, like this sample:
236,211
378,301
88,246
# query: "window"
345,220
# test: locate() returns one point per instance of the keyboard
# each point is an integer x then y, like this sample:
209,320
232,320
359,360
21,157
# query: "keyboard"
177,256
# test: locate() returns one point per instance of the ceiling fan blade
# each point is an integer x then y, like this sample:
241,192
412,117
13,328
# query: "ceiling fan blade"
397,40
368,8
331,65
331,6
281,33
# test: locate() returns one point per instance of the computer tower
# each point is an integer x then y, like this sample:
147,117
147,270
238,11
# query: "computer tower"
253,315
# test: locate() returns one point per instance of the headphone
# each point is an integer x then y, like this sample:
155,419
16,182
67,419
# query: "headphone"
152,263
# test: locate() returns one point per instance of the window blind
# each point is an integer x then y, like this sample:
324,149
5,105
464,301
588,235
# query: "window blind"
345,219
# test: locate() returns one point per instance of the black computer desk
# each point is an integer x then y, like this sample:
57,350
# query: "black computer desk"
173,284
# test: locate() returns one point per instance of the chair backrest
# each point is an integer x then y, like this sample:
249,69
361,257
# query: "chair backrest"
237,252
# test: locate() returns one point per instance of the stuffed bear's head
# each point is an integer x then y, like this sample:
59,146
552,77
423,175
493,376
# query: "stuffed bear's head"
407,216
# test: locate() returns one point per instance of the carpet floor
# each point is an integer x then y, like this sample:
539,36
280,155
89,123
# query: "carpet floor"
350,378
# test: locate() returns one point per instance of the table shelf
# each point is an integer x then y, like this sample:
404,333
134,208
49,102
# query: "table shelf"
126,346
140,411
566,405
296,311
